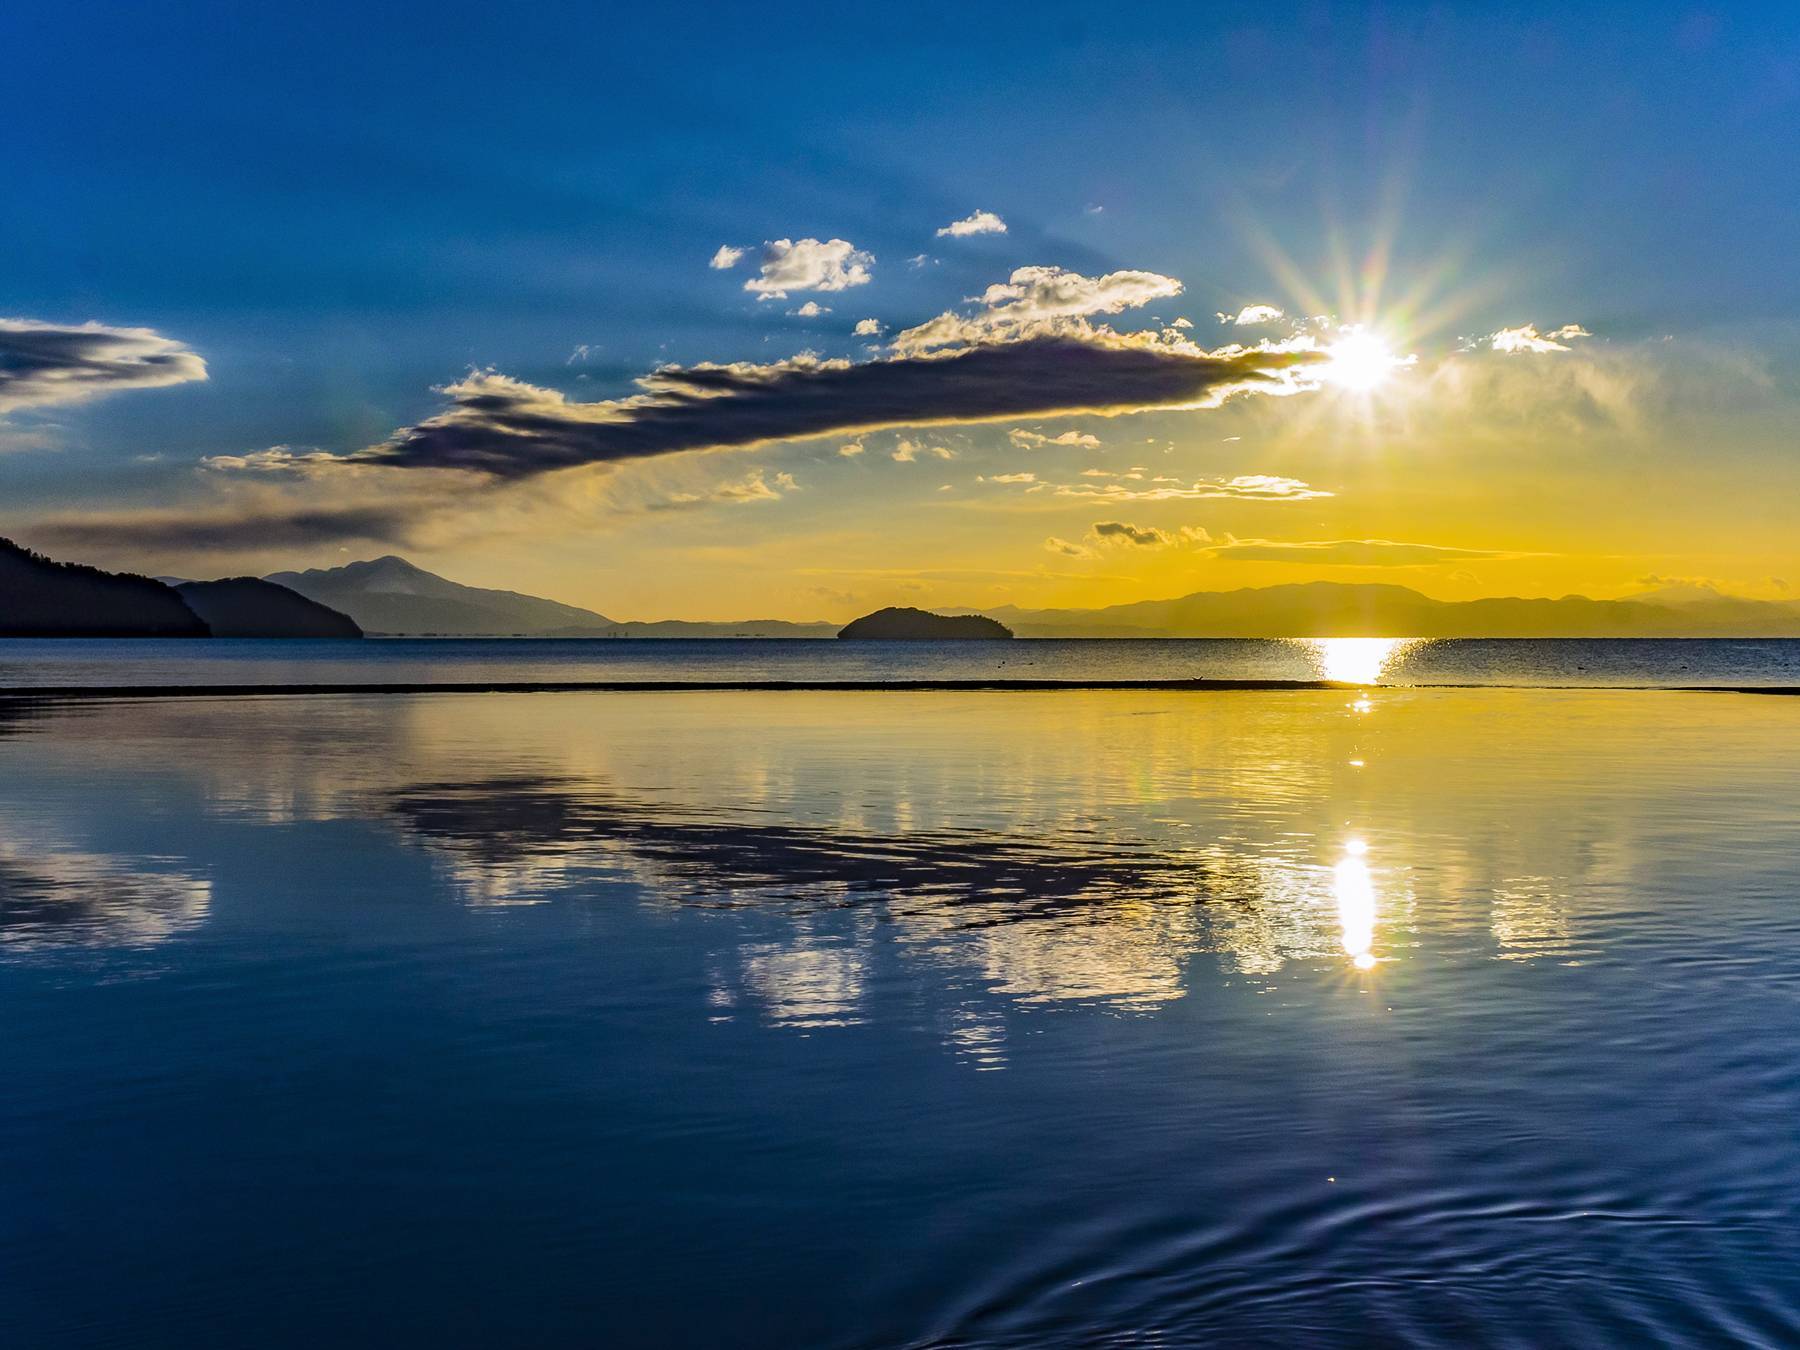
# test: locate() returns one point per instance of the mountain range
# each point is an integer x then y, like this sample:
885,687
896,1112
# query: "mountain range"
43,598
1333,609
390,596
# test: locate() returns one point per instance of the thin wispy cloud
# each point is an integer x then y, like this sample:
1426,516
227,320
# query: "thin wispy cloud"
726,258
906,452
1123,533
977,222
1028,440
45,364
1254,487
1353,552
756,486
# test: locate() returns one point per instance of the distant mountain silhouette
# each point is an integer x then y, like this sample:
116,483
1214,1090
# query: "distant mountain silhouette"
700,628
902,622
391,596
248,607
41,598
1333,609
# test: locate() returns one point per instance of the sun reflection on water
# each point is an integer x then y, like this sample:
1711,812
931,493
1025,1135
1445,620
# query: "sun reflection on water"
1356,660
1355,893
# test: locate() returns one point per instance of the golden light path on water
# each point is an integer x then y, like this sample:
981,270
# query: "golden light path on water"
1357,660
1354,890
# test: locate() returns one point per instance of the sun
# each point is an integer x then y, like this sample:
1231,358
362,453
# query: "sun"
1359,362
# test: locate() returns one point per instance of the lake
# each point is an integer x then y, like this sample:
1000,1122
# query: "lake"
1397,1015
1573,662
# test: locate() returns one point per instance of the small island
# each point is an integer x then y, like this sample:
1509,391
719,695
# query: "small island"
920,625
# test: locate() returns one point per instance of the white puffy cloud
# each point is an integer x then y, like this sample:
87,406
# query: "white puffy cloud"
977,222
726,258
1526,338
1027,440
812,309
867,328
809,265
1252,314
1038,300
44,364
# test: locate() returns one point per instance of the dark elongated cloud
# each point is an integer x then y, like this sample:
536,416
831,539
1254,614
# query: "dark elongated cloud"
1124,532
224,530
42,364
508,429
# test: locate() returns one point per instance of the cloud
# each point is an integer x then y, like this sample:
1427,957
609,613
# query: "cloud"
230,530
978,222
867,328
1526,338
1009,478
1352,552
812,309
44,364
851,450
919,260
1038,301
1252,314
1123,532
508,429
809,265
277,459
1027,440
1068,550
908,451
754,486
1256,487
726,258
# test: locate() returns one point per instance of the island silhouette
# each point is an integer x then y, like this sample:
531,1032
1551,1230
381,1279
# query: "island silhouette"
904,622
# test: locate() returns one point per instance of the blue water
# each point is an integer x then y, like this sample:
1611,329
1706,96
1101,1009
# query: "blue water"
1410,1017
1570,661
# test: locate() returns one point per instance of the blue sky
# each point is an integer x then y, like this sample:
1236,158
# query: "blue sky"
343,207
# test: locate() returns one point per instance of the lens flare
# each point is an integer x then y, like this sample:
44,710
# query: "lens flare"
1359,362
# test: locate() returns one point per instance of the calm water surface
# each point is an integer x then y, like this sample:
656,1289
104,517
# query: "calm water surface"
1554,662
1421,1017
